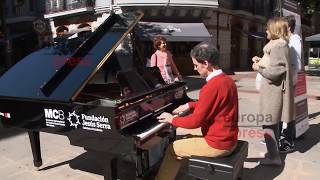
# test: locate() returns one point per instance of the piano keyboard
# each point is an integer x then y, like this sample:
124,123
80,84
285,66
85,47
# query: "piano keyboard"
151,131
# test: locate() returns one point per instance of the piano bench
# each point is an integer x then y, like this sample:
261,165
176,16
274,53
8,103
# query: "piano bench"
221,168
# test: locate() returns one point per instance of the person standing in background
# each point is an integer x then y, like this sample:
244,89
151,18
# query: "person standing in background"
287,142
162,58
276,93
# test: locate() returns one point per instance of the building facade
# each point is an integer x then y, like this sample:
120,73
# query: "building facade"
237,27
17,35
69,15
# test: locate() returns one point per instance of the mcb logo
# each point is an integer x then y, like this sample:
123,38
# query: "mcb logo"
54,114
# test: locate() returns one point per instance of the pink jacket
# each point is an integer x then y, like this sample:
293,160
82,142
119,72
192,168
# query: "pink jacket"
161,59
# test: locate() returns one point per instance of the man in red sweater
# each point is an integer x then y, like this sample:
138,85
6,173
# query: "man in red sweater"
216,113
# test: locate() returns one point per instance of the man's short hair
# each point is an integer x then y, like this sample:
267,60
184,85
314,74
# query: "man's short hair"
292,22
205,51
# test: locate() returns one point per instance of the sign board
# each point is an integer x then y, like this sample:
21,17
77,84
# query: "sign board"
39,26
314,57
291,7
301,105
314,61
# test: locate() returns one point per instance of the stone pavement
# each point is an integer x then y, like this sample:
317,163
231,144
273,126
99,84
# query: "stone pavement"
304,163
63,161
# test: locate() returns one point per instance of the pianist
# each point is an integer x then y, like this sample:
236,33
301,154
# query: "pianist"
216,112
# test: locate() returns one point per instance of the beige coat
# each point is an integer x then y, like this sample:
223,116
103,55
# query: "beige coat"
276,93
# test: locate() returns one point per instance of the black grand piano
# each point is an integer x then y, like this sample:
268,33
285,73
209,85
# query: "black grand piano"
98,95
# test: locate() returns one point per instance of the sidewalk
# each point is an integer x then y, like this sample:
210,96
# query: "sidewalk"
60,158
304,163
246,83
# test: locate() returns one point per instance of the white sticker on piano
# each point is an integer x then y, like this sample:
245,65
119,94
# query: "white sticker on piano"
60,118
93,122
54,117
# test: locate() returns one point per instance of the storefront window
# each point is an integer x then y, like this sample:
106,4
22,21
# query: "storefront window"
314,56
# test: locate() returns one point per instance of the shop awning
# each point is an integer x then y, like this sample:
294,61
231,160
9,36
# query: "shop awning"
174,32
315,37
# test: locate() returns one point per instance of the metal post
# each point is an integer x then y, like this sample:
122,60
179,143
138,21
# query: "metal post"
218,25
280,8
8,48
8,53
111,5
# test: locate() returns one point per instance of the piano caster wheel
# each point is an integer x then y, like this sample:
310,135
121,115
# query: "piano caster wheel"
36,168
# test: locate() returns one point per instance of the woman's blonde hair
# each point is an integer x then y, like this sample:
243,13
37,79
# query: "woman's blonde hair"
278,28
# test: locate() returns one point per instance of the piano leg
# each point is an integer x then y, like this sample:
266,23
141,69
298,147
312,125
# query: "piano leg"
112,170
35,147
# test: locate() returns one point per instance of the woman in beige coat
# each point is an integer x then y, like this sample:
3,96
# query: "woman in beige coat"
276,86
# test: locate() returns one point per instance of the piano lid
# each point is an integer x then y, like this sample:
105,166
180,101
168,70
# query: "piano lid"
54,74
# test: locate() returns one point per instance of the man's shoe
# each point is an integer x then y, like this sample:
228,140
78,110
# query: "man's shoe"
286,147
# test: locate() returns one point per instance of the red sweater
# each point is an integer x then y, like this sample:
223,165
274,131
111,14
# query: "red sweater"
216,112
